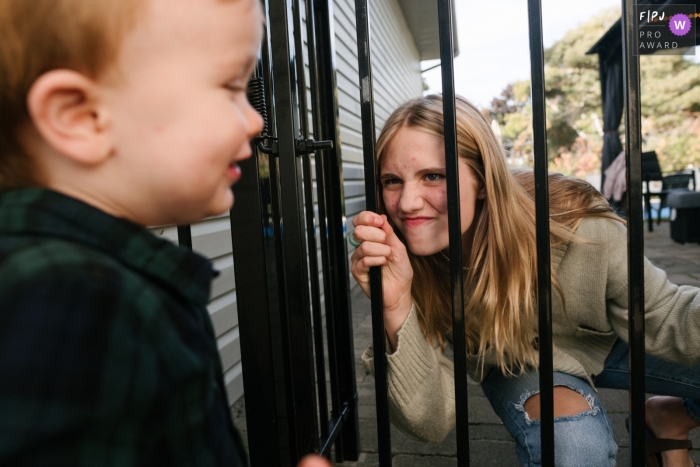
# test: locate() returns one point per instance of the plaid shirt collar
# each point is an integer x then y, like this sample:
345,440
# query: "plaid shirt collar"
45,213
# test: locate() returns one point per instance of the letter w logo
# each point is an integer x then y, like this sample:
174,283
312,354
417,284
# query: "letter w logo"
679,25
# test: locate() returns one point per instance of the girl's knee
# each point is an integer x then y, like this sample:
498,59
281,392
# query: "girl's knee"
584,442
589,443
567,402
582,437
585,439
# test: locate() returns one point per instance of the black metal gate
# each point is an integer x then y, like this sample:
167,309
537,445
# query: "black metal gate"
276,234
275,238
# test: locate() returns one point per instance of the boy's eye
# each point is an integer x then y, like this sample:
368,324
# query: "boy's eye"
236,88
433,177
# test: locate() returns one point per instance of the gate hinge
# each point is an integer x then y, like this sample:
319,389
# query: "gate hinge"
307,146
263,146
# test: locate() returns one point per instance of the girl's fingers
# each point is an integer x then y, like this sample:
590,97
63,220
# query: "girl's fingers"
361,263
374,249
370,261
366,255
364,233
391,238
313,460
367,218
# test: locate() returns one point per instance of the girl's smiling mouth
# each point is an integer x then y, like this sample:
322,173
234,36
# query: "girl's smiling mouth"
415,221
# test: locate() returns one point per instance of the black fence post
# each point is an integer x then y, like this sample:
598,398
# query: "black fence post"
256,283
364,57
544,272
322,195
310,222
184,236
455,230
338,294
256,245
635,229
296,322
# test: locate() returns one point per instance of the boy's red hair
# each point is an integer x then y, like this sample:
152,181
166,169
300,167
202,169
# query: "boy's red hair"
40,35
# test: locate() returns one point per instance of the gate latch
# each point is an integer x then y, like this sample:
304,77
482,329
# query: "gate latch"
307,146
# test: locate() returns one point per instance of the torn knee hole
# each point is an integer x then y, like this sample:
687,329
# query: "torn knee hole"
567,402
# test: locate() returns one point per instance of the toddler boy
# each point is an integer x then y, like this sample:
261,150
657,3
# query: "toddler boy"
115,115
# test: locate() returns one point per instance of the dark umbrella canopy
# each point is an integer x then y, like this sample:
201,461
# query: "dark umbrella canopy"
613,104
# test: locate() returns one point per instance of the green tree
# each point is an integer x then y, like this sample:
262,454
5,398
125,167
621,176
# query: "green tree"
670,94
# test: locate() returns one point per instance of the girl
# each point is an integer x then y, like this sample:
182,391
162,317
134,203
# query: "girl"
589,303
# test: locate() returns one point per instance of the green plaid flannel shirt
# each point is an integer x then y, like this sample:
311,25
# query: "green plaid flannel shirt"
107,352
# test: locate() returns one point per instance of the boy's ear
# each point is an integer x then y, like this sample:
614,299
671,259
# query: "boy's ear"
65,108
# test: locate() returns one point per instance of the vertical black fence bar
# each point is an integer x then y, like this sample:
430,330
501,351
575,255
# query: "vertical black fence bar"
455,231
184,236
296,324
311,226
318,111
347,443
544,273
275,264
364,57
635,229
256,285
321,192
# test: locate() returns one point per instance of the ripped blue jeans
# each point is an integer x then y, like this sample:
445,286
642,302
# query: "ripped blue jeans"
584,439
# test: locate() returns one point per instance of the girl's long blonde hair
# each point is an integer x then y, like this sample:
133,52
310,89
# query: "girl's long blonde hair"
501,282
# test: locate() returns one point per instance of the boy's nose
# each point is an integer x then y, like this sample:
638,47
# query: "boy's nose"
255,122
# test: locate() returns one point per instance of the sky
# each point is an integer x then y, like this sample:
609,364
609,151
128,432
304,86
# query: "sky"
494,42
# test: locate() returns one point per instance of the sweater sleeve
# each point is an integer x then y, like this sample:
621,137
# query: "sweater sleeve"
672,312
421,384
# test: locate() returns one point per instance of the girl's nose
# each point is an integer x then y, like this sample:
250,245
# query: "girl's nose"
411,198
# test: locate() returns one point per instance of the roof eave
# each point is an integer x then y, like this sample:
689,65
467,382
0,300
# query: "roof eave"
422,20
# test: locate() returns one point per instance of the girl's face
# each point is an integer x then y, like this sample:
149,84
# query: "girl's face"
415,190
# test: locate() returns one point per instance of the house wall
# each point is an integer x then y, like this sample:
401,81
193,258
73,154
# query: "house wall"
396,79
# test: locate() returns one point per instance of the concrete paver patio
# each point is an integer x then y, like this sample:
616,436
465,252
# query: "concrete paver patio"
490,444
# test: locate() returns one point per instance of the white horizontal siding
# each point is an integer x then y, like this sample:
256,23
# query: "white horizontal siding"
396,79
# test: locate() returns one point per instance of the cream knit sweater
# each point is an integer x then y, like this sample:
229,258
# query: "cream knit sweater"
593,277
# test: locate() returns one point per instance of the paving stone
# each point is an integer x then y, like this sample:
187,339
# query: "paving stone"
366,459
241,423
480,411
488,431
244,437
619,431
614,400
487,453
403,460
401,444
367,411
365,391
695,439
623,457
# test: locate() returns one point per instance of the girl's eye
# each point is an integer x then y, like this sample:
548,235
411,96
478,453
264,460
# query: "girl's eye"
391,181
433,177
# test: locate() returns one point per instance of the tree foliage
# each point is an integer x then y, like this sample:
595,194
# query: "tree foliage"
670,91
